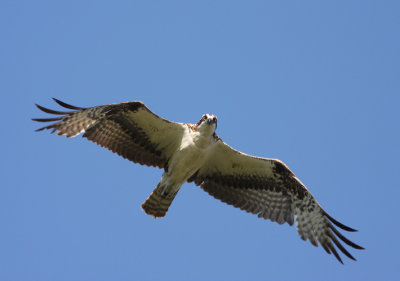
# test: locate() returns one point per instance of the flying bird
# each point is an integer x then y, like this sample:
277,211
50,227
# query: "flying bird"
195,153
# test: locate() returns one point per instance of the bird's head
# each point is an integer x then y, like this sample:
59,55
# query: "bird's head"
207,123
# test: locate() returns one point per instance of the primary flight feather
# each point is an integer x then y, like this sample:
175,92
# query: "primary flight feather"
194,153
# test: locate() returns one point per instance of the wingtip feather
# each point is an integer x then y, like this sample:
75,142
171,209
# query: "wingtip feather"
338,224
345,240
66,105
51,111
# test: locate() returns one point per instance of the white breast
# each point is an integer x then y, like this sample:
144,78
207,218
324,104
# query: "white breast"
191,155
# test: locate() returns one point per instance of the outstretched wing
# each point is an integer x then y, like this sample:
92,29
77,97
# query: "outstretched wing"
129,129
267,188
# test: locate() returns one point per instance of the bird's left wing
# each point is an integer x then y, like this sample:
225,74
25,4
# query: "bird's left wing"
129,129
267,188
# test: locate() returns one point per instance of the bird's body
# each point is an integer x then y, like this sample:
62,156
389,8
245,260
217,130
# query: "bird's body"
194,149
194,153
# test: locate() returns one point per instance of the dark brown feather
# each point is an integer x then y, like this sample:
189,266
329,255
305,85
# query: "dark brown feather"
113,136
273,199
44,109
48,119
109,126
257,196
342,226
66,105
156,204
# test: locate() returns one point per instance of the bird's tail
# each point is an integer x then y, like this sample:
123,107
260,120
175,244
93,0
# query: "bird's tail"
157,204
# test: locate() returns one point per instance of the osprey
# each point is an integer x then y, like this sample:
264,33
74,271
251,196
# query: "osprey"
194,153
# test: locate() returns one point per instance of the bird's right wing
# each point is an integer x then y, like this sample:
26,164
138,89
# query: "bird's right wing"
129,129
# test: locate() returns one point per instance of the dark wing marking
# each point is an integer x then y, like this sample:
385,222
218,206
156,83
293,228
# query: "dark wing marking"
267,188
129,129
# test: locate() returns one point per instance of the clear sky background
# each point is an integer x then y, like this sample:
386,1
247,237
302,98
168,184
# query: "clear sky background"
313,83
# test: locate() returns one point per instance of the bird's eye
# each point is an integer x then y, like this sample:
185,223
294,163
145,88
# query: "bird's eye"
204,118
215,119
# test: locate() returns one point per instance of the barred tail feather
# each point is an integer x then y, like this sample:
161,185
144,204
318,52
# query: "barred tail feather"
157,205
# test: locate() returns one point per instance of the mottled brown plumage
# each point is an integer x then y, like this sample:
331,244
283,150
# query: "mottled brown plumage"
195,153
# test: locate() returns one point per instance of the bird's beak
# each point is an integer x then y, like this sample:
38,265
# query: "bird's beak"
210,121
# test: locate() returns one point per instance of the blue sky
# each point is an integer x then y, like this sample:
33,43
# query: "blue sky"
313,83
